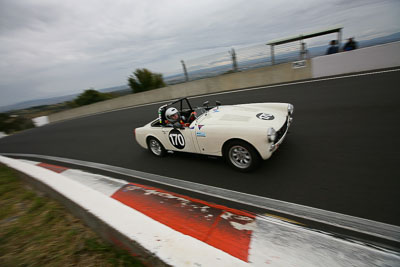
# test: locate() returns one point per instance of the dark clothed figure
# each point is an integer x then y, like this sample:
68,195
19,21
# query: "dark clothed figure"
350,45
333,48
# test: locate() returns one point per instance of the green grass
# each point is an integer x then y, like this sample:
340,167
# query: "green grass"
37,231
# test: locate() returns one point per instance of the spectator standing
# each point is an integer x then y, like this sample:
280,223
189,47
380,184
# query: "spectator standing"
333,48
350,45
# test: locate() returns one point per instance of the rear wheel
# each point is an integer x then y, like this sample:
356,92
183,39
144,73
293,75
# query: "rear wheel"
242,156
155,147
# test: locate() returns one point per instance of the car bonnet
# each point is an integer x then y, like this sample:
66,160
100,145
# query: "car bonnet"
247,116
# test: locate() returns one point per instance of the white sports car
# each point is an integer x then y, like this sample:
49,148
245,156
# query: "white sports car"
242,134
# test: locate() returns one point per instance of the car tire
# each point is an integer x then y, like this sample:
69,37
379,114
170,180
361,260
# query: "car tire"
241,156
155,147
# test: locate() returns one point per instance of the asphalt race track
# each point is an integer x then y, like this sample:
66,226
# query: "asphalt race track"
342,153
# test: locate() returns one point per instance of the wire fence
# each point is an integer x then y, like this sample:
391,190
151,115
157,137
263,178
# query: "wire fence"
246,58
255,56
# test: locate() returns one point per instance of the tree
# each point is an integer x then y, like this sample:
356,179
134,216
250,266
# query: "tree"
91,96
144,80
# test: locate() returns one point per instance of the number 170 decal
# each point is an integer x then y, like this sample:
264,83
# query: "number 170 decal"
176,139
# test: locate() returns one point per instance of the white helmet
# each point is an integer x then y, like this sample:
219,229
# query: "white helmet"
172,114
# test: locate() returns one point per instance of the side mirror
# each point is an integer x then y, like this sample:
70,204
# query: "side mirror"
177,125
205,104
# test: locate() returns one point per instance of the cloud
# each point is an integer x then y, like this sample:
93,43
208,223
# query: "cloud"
50,48
25,15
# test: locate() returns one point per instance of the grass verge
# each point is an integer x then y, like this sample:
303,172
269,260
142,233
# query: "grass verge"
37,231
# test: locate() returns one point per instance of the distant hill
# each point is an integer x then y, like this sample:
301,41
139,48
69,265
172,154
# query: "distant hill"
123,89
115,89
380,40
38,102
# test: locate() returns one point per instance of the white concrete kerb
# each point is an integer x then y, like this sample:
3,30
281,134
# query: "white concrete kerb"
273,243
169,245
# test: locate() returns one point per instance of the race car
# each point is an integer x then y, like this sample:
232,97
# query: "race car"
242,134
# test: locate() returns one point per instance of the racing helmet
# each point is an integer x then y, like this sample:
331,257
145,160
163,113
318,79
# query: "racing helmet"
172,114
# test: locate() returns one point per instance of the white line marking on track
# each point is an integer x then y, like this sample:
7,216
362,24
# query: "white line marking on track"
300,82
244,90
378,229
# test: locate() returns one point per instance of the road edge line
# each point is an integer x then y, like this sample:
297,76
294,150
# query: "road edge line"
361,225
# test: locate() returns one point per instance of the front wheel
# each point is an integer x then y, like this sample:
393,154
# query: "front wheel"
242,156
155,147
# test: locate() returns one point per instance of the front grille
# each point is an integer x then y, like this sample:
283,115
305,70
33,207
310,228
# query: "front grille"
282,130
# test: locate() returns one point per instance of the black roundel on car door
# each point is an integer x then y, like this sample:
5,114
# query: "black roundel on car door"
176,139
265,116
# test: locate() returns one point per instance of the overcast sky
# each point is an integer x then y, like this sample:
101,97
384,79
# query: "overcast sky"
52,48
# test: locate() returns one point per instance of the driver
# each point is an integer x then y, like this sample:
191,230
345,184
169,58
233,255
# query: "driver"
172,116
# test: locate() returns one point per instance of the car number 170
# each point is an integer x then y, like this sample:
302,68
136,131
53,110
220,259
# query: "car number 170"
177,139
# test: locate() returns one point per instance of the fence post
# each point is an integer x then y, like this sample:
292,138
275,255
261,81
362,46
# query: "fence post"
272,55
234,62
185,71
339,39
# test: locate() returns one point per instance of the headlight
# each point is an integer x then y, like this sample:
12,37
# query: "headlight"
290,109
271,133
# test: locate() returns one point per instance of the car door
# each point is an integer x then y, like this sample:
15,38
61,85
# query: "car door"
178,139
204,138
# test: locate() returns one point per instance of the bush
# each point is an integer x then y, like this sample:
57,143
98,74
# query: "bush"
90,96
144,80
